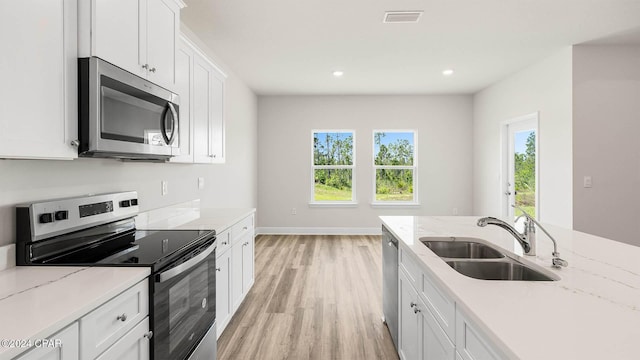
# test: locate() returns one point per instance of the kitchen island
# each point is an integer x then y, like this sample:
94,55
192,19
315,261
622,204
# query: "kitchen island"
591,312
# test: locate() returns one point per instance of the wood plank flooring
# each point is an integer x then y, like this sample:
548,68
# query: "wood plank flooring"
314,297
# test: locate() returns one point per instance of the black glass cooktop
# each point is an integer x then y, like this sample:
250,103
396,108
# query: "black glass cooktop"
119,244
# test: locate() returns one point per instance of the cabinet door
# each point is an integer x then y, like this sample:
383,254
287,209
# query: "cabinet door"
410,321
247,262
184,67
117,33
162,25
217,118
236,274
134,345
435,342
38,68
201,117
66,350
223,301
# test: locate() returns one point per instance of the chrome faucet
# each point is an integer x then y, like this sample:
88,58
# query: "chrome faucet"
527,239
522,240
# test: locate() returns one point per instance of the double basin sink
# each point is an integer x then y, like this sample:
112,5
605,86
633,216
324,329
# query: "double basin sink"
481,261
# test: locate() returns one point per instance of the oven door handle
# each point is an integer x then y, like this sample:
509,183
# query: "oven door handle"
175,271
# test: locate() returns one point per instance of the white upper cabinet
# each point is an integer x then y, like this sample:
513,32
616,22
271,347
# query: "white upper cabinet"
200,85
38,67
139,36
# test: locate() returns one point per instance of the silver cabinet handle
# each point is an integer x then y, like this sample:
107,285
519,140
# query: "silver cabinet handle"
149,335
416,310
245,228
218,269
122,317
145,66
212,156
413,304
75,143
390,243
152,70
224,243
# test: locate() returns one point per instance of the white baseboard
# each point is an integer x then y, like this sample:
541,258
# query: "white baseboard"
317,231
7,256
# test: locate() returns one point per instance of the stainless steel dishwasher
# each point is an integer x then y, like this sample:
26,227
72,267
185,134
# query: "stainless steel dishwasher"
390,283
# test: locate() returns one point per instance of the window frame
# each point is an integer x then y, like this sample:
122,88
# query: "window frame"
335,203
395,203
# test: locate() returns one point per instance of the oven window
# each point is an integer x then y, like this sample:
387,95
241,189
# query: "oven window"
188,302
183,310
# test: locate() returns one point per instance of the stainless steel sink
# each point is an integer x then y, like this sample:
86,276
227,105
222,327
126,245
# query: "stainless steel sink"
462,249
498,270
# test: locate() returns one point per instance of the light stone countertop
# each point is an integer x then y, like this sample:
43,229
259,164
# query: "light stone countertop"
592,312
189,216
38,301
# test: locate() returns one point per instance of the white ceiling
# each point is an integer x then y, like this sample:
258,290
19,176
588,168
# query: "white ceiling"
293,46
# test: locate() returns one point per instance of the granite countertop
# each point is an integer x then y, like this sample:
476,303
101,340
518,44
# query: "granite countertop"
38,301
591,312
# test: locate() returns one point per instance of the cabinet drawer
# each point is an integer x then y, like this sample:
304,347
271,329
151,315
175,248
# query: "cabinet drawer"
104,326
442,307
133,345
241,228
224,242
470,343
410,266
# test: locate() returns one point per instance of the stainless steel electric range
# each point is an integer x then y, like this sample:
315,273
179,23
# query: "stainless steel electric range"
99,230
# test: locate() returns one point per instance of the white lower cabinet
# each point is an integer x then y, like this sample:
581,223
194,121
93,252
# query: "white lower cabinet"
66,350
132,346
471,344
115,330
235,269
431,326
408,346
223,298
420,335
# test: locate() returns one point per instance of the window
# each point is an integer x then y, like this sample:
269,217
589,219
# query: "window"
395,169
333,167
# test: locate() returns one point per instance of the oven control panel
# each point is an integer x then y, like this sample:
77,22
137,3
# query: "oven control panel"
50,218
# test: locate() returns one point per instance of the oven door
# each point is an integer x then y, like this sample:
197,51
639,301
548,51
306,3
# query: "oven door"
184,300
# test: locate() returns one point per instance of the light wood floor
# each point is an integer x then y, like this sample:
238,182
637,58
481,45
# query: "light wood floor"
314,297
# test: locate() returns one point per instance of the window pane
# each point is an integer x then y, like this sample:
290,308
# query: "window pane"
394,185
333,148
393,148
332,185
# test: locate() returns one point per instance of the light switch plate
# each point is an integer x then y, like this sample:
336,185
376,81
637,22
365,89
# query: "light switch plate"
587,182
200,183
165,188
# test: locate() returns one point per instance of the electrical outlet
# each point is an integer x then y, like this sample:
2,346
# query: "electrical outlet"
455,211
294,211
200,183
165,188
587,182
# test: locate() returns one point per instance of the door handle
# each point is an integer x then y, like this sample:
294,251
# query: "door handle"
507,193
174,123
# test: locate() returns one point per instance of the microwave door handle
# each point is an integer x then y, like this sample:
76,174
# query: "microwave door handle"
174,116
175,271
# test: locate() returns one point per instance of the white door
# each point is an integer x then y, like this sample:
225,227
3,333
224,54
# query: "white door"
247,262
520,168
184,64
410,321
201,115
163,23
223,308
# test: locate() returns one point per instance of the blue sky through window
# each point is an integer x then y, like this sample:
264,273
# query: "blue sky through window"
391,137
521,141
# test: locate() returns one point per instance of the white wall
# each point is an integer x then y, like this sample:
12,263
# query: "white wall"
284,152
545,88
606,126
230,185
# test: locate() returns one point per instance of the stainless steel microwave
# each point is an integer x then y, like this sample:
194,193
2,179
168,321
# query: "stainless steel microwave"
124,116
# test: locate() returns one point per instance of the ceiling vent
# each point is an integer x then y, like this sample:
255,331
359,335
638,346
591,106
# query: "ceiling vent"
402,16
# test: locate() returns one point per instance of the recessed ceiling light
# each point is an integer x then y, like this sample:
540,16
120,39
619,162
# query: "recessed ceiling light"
447,72
338,73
